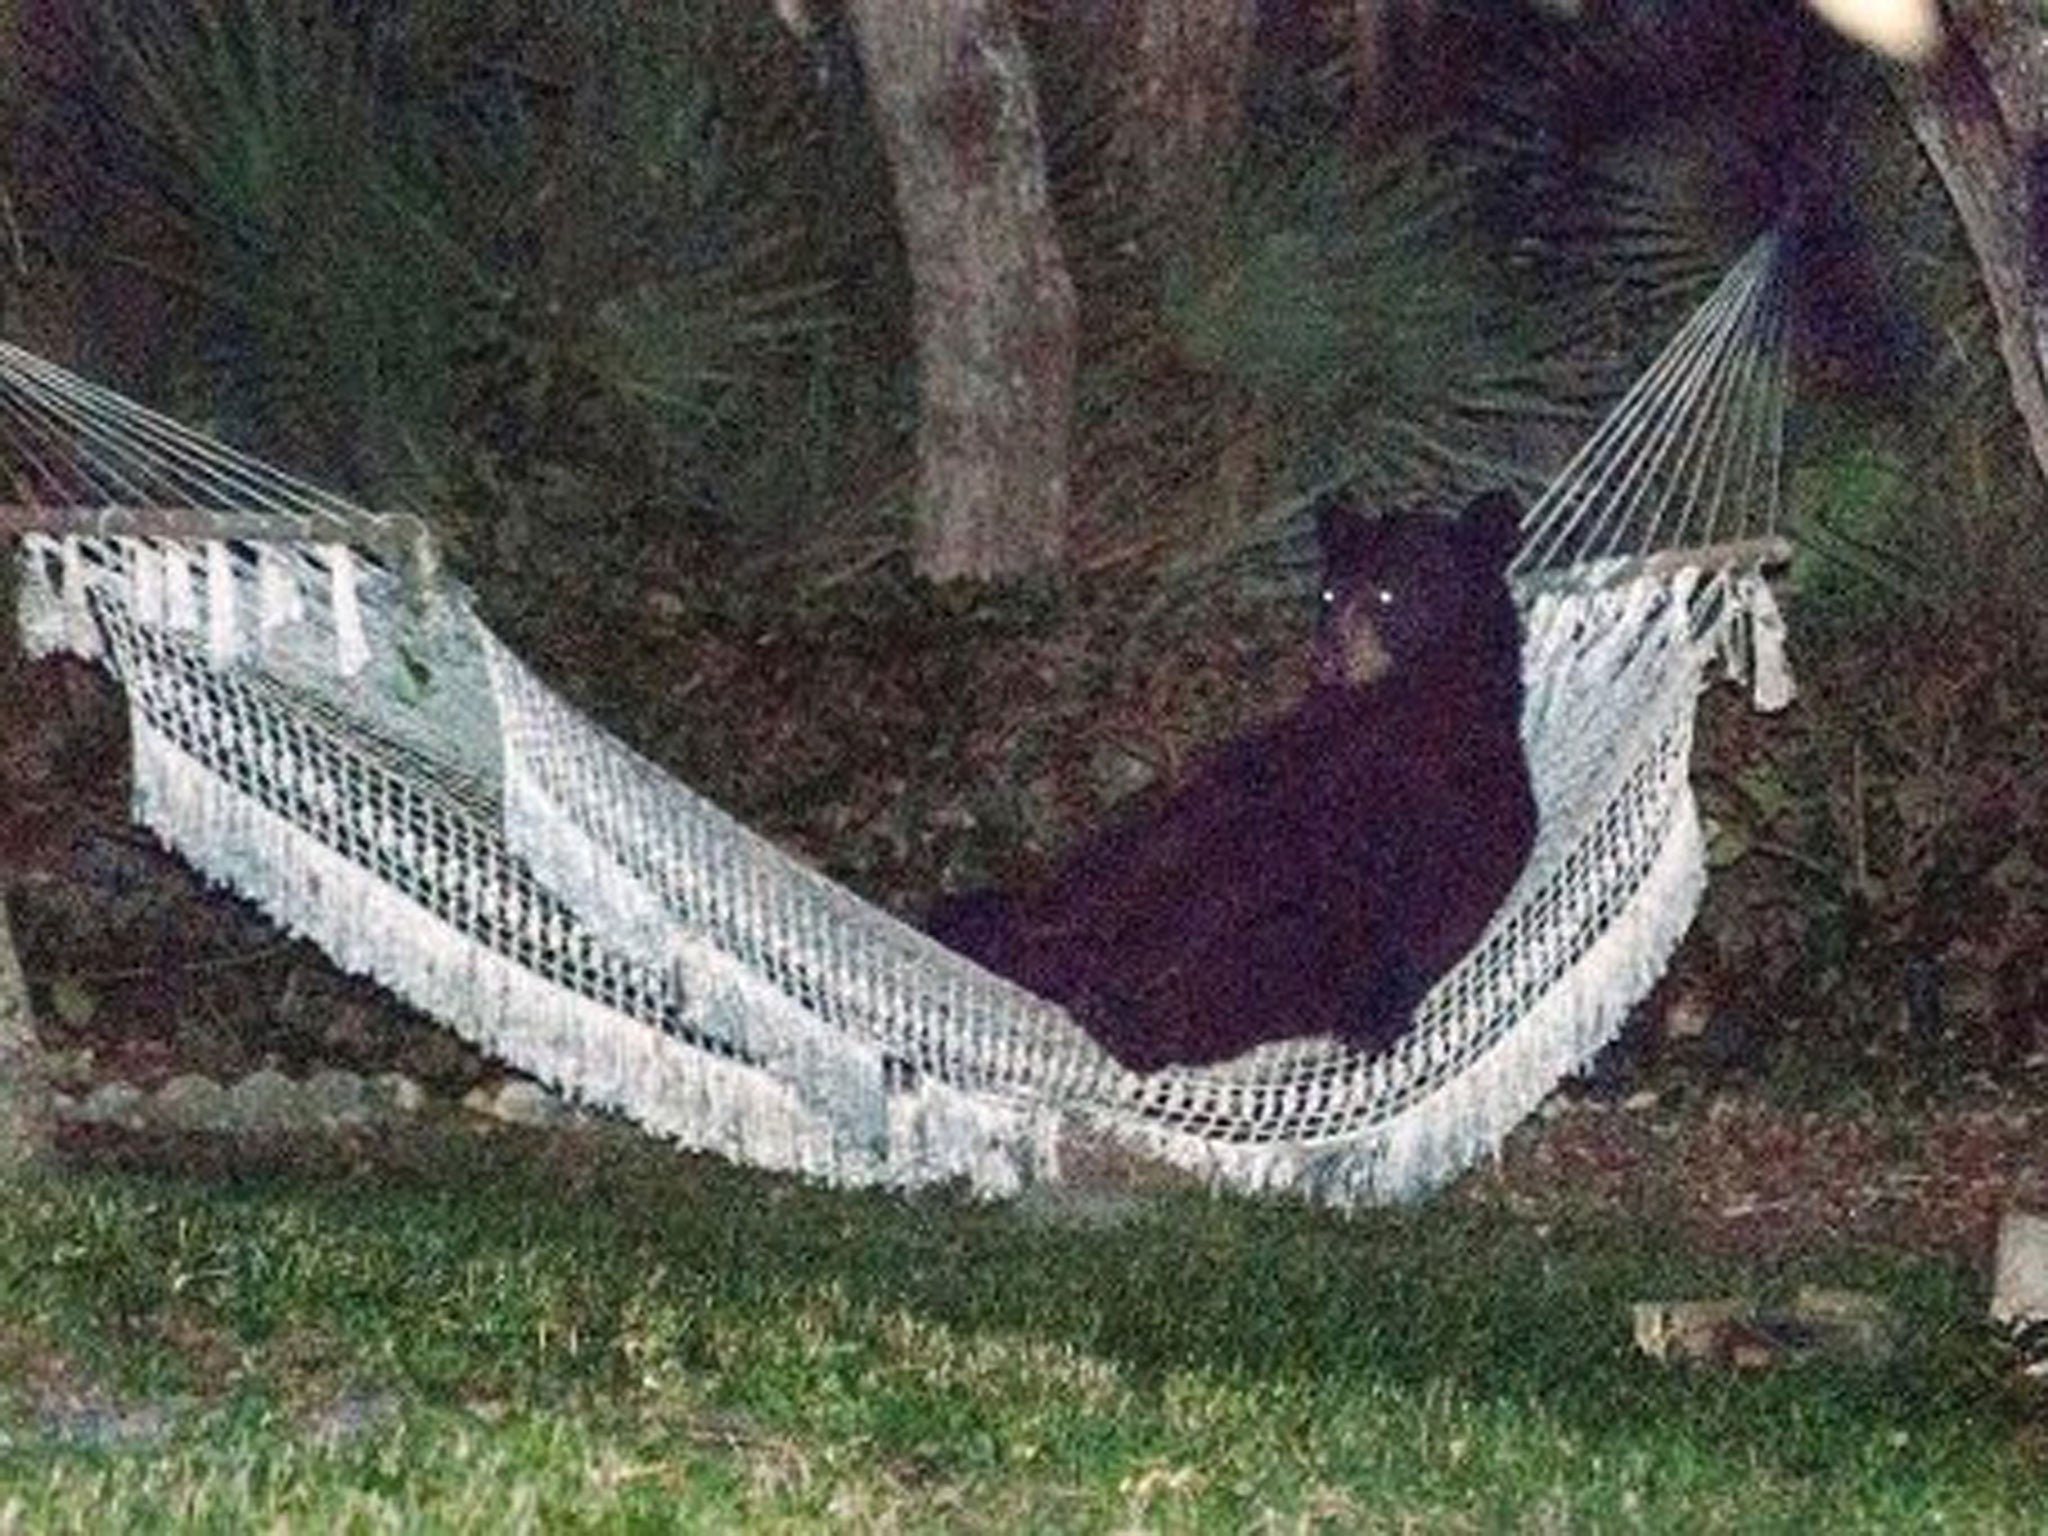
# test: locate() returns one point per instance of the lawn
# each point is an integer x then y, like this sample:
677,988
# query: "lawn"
582,1330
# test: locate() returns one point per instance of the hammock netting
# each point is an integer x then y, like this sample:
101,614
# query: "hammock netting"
359,756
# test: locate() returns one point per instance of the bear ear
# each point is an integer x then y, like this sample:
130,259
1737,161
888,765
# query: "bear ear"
1340,528
1493,521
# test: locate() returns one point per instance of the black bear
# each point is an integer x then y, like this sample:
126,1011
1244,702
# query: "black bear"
1316,875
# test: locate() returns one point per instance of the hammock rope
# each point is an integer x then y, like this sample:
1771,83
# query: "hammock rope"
388,779
1690,449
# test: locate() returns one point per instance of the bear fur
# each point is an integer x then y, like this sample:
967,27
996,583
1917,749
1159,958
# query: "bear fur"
1317,875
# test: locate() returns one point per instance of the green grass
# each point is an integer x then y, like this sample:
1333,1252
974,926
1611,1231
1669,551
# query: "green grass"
508,1333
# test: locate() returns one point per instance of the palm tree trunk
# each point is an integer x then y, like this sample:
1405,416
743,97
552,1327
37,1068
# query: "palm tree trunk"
950,84
1981,113
1183,110
24,1098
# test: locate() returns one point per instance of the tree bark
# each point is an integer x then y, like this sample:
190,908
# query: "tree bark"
1396,76
1981,114
24,1097
950,85
1183,110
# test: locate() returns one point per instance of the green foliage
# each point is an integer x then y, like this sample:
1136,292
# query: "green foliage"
1878,885
1454,312
670,172
1914,495
459,254
1850,499
13,103
1357,307
1924,502
328,282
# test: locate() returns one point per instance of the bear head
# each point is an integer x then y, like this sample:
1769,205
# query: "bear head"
1407,594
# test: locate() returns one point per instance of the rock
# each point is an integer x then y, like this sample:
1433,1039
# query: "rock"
1701,1332
438,1057
395,1094
1848,1324
101,1424
2019,1291
522,1102
113,1104
73,1070
1060,1207
1688,1013
72,1002
1734,1333
351,1416
351,1031
265,1100
332,1097
1118,772
190,1102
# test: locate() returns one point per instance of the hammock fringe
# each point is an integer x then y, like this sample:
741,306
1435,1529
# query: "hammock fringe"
473,843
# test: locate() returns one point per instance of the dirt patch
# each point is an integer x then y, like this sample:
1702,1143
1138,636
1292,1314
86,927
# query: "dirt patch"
1748,1177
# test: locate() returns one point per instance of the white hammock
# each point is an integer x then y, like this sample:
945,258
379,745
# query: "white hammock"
381,775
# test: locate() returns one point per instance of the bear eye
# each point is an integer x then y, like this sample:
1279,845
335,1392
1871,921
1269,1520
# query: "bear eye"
1384,596
1328,597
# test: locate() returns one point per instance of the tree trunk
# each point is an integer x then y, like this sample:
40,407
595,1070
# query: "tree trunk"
1397,75
24,1098
1183,110
950,86
1981,113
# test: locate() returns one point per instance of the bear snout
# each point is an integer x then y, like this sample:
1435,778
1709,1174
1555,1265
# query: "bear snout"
1349,653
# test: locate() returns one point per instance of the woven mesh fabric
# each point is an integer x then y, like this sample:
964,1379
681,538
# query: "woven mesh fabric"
1612,884
596,923
391,781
